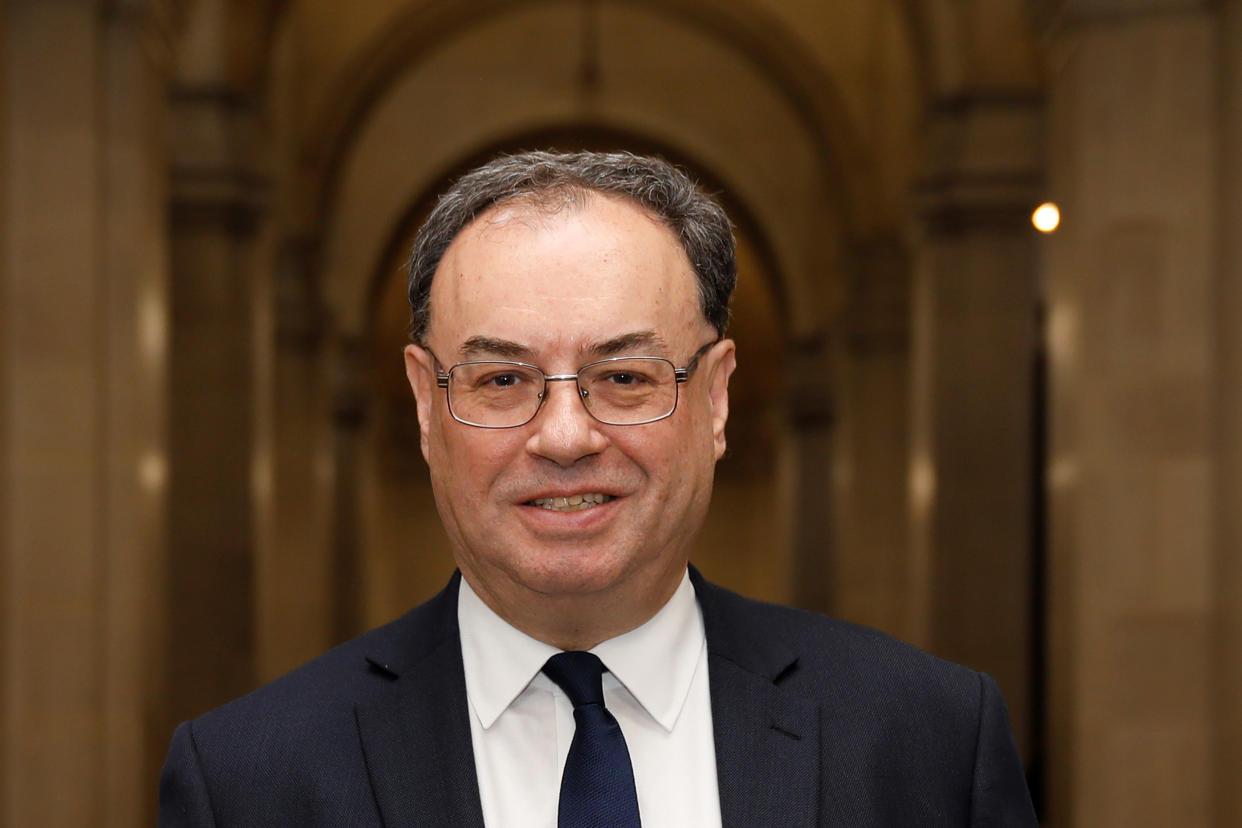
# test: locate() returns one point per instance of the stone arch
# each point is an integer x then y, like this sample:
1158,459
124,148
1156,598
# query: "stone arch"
744,29
785,176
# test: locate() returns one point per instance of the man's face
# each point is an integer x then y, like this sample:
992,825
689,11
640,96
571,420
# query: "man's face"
560,290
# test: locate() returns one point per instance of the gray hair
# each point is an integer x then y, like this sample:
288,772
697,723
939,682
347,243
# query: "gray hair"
662,189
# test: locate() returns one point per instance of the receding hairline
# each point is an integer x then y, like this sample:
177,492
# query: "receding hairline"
538,213
567,198
550,182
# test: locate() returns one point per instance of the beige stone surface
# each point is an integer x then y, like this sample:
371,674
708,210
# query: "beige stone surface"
1225,712
55,425
1130,281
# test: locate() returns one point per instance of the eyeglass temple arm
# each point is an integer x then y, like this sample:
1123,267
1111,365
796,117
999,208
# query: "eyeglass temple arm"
441,379
683,374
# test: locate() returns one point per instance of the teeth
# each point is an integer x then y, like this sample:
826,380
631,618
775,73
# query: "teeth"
573,503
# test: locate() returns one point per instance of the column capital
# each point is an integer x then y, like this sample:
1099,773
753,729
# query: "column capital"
1053,17
214,141
985,160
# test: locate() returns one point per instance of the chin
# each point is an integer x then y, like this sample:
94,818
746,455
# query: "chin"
577,574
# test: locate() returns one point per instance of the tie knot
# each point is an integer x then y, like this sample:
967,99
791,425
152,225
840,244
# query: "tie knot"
579,674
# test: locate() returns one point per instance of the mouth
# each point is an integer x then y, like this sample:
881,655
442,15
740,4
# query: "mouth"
571,503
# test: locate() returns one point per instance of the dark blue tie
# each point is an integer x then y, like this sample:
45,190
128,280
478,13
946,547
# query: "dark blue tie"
597,788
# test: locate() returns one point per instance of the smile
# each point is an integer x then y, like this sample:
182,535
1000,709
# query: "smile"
572,503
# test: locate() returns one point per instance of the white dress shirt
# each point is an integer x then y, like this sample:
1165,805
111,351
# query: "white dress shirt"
656,686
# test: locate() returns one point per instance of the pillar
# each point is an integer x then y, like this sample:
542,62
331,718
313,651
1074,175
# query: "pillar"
1227,657
294,577
350,411
1130,279
219,470
871,582
973,310
83,310
812,418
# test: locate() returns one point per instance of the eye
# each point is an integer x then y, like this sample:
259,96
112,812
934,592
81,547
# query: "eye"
626,378
500,380
505,380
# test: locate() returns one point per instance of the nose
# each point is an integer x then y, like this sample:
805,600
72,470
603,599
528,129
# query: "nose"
563,430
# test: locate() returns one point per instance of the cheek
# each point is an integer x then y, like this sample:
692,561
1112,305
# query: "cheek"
675,460
471,461
696,443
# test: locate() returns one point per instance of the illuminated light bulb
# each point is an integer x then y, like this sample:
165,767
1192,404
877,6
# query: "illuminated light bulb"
1047,217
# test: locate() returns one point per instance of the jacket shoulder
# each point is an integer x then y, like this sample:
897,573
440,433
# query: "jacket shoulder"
822,655
319,697
906,738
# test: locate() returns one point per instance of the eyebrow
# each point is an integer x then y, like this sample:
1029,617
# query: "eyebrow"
477,346
485,346
648,340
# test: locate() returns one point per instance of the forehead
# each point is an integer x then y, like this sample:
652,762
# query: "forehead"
564,277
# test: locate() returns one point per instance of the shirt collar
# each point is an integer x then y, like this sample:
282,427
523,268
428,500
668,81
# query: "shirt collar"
655,662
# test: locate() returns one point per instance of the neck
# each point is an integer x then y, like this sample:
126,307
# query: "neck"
578,621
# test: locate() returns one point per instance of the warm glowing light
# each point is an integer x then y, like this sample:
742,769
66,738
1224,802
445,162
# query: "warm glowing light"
261,475
1047,217
152,471
921,485
1062,473
152,326
1062,332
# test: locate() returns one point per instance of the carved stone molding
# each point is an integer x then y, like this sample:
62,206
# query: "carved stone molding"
213,177
985,161
1052,17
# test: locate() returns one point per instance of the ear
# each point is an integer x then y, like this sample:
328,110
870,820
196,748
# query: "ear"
718,391
420,370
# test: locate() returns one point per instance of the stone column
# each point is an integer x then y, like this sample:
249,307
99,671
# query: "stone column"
216,473
974,305
349,415
1227,657
812,417
294,585
871,582
83,280
1130,276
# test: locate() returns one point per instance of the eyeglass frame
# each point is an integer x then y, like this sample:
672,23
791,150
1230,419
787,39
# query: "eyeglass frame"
680,375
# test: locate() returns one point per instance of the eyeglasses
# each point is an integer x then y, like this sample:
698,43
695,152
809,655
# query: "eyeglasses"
617,391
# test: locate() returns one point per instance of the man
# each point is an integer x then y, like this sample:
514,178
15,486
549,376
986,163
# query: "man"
571,377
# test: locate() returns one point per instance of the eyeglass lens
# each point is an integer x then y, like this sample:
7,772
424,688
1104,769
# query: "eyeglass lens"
627,391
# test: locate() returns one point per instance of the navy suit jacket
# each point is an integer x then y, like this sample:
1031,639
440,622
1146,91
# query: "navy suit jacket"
816,721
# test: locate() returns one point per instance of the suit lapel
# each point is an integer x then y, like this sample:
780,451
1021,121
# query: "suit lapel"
416,735
767,738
